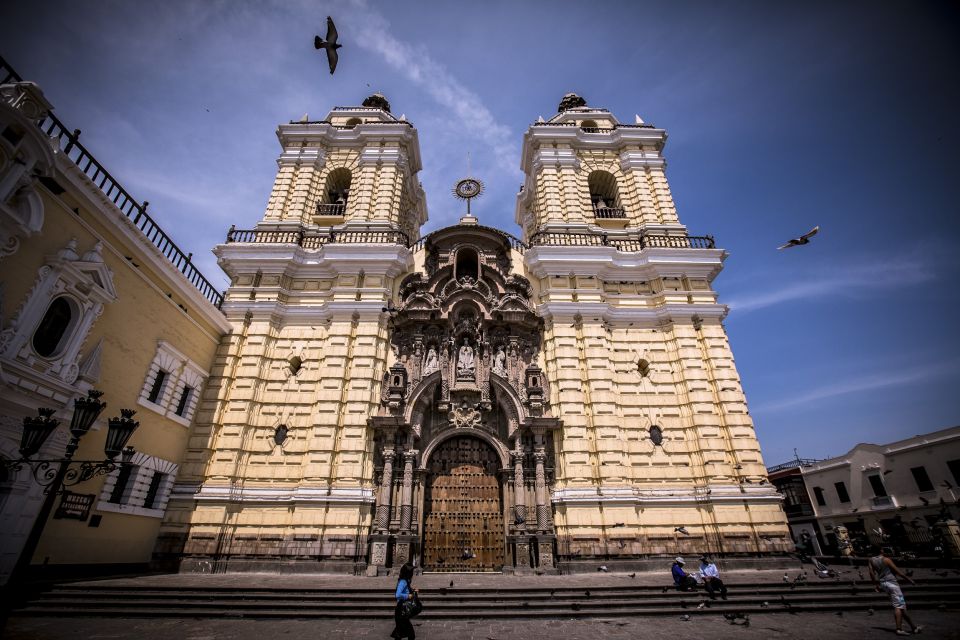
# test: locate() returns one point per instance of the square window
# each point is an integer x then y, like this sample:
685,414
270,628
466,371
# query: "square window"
954,466
123,480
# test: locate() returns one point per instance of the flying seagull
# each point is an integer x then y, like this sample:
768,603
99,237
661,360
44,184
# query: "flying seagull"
330,45
804,239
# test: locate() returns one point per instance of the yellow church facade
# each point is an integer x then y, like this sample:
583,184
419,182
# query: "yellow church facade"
468,400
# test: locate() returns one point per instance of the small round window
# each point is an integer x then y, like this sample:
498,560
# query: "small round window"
51,333
656,435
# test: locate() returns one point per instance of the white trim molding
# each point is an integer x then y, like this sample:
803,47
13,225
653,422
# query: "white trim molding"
678,496
269,495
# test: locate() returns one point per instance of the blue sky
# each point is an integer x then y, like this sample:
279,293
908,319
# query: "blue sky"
780,116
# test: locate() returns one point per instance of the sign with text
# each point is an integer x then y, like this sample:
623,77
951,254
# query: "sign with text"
75,506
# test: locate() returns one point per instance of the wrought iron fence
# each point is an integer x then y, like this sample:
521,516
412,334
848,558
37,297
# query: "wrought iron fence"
335,209
609,212
69,143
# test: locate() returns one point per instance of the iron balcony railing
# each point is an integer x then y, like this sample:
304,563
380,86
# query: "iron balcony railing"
597,129
609,212
799,462
69,143
628,242
336,209
313,240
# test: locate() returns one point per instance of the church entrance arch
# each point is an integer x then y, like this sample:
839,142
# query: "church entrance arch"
463,506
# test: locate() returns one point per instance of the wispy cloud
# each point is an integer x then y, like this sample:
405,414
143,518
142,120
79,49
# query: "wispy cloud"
865,382
840,280
418,66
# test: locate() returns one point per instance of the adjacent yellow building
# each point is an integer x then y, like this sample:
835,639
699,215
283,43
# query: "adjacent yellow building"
94,295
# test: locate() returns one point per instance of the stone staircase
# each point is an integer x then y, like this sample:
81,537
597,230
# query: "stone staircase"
92,599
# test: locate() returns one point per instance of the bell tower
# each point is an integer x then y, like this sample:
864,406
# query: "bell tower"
279,468
656,437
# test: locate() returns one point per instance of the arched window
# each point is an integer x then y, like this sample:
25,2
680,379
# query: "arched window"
604,195
335,193
468,264
352,122
52,330
589,126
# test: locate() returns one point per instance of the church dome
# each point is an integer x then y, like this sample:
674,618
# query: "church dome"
377,100
571,101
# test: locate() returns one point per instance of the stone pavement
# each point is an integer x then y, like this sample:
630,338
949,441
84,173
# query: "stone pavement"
851,626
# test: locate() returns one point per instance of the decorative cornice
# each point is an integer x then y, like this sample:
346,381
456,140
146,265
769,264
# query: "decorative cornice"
222,494
630,496
606,263
328,261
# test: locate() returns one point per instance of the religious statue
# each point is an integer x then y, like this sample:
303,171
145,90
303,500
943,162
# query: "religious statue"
500,361
465,363
430,363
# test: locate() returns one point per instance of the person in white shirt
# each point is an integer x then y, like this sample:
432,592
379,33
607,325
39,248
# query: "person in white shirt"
711,579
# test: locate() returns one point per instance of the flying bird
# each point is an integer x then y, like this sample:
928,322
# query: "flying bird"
330,45
682,530
804,239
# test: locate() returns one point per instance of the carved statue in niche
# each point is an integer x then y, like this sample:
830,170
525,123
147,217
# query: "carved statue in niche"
500,361
430,361
464,416
466,366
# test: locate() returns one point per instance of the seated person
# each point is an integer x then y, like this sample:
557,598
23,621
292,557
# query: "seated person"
711,579
681,579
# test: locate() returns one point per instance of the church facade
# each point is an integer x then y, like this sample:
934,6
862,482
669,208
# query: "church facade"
468,400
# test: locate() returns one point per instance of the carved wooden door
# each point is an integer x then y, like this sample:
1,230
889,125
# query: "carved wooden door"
463,528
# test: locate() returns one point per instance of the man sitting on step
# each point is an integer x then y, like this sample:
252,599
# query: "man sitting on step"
681,579
711,579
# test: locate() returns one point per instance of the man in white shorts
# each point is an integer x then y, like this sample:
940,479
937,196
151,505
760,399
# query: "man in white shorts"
884,574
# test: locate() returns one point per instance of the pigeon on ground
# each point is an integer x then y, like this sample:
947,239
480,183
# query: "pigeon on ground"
603,568
804,239
786,578
632,575
870,611
330,44
685,618
764,604
682,530
451,584
838,613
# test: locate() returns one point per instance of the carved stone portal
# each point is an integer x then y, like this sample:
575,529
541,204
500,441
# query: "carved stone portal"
467,343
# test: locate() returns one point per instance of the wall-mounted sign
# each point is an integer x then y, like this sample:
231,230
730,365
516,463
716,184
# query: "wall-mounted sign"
75,506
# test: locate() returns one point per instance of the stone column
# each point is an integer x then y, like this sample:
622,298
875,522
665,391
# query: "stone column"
406,503
386,486
519,491
543,520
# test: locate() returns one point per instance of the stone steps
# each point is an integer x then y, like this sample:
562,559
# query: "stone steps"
91,600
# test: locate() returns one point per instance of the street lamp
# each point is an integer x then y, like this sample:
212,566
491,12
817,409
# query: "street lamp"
55,474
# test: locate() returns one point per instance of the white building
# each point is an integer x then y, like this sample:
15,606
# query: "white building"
890,493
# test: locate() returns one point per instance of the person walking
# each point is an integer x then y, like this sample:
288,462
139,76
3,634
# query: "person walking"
711,579
681,579
403,626
884,575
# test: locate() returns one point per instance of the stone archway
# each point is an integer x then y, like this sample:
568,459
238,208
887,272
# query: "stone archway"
463,527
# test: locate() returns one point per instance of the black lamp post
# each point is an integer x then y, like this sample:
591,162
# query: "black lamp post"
55,474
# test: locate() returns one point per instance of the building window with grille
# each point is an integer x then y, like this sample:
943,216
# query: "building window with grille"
842,494
156,391
185,396
150,500
171,384
120,492
140,488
